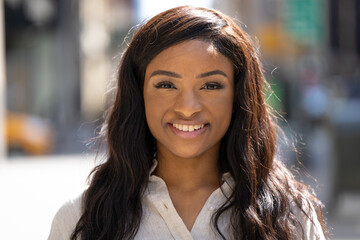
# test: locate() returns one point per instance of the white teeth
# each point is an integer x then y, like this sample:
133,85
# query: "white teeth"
187,128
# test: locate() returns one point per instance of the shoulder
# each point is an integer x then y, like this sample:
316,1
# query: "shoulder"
66,219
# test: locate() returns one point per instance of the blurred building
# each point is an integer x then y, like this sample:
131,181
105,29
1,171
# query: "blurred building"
58,59
43,61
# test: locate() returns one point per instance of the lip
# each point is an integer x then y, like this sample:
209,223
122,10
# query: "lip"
188,135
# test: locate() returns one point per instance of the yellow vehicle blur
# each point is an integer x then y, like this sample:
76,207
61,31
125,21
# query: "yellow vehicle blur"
30,134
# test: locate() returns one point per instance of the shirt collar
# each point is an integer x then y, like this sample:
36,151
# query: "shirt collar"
155,163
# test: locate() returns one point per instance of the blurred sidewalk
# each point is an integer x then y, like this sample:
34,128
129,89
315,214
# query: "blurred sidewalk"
344,222
33,188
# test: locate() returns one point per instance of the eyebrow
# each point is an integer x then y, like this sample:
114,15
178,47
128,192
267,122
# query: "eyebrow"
166,73
175,75
215,72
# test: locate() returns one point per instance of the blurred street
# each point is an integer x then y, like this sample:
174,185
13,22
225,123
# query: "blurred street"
33,188
58,61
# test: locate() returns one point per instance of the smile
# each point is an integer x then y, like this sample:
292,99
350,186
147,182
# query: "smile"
187,128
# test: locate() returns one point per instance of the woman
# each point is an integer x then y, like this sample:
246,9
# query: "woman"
191,144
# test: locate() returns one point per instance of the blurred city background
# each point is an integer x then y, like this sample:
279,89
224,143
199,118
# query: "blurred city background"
58,58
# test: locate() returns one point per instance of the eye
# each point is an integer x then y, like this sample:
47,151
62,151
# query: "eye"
165,84
212,86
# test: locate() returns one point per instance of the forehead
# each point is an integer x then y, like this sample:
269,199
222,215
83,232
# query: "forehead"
188,47
190,55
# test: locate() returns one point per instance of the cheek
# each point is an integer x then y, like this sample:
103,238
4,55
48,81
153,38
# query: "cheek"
150,110
223,109
223,104
154,111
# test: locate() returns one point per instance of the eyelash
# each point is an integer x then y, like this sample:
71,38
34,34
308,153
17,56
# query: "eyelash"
207,86
213,86
165,85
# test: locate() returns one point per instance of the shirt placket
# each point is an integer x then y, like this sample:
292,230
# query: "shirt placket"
162,201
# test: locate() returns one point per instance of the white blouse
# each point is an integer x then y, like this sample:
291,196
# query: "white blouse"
161,221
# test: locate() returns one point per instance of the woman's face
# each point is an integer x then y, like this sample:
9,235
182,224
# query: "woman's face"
188,94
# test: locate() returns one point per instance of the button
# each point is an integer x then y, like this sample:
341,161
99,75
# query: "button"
211,208
166,206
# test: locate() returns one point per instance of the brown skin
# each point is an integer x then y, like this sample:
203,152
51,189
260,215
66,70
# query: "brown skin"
188,160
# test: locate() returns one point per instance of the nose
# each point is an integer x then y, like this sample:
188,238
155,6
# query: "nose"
187,104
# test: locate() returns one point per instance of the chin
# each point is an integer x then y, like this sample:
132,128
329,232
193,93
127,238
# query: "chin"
186,153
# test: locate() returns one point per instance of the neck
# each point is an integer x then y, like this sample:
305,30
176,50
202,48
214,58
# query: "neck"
188,173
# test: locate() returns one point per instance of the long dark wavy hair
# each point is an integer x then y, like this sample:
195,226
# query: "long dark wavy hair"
265,192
